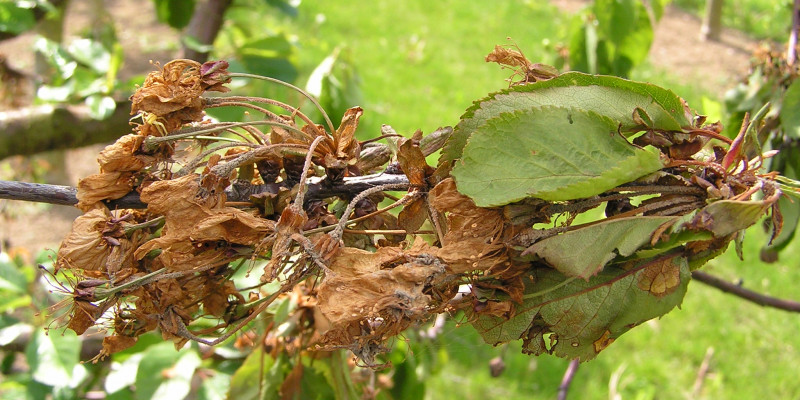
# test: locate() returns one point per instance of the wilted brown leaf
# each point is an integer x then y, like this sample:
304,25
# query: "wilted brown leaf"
115,343
84,247
373,296
104,186
122,155
514,59
193,222
347,147
84,315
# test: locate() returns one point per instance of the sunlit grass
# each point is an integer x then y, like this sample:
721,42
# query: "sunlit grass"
761,19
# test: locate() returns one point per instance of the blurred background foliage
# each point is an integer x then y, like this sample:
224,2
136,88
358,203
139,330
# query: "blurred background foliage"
414,65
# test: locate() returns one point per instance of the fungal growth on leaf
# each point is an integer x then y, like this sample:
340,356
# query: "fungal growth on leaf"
285,220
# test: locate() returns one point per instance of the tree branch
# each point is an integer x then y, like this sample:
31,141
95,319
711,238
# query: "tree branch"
40,128
569,374
317,189
736,290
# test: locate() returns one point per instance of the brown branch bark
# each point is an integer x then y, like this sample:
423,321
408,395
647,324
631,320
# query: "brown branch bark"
569,374
204,26
749,295
40,128
317,189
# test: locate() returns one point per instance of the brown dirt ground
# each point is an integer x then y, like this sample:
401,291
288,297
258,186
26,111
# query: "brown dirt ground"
27,228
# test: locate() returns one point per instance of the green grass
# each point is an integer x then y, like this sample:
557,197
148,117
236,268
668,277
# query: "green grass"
421,64
761,19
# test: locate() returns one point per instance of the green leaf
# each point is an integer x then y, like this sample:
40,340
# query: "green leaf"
195,44
164,373
15,19
214,387
612,97
91,54
100,107
122,375
790,117
11,329
175,13
11,278
578,319
336,83
598,243
57,57
725,217
54,358
269,56
550,153
248,381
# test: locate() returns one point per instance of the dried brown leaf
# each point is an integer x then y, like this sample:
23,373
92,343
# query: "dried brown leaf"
104,186
84,247
121,156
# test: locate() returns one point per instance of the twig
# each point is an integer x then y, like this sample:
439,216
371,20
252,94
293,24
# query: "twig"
791,51
702,373
65,195
736,290
563,388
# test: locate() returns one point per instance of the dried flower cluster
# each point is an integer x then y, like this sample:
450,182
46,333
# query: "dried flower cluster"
357,274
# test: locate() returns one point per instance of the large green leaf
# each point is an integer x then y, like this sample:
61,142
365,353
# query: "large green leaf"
598,244
54,358
580,319
615,98
164,373
550,153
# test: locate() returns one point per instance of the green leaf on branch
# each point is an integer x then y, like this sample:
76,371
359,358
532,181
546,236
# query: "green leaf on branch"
175,13
599,244
582,318
550,153
612,97
725,217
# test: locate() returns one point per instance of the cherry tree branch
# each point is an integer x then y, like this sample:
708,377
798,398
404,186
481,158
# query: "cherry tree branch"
749,295
317,189
569,374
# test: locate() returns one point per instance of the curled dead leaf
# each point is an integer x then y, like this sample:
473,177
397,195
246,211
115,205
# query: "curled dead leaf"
122,155
84,248
104,186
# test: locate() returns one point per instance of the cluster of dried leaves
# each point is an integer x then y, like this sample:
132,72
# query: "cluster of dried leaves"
357,274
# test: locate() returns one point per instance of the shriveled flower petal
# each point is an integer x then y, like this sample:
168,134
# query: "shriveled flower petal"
121,156
84,247
103,186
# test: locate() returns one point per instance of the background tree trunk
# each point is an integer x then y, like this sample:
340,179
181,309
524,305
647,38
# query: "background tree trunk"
712,20
35,129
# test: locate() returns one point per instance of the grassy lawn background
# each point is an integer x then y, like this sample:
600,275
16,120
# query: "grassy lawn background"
421,64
